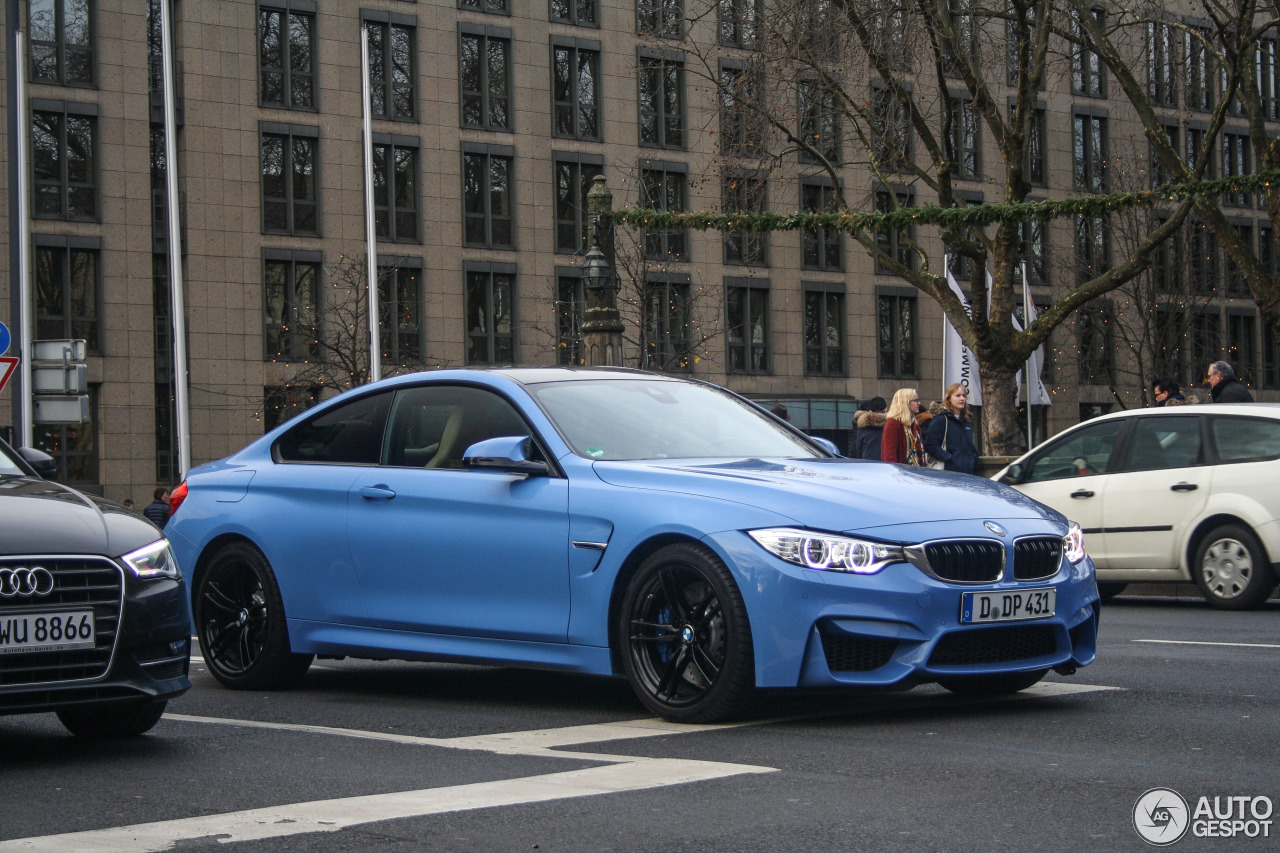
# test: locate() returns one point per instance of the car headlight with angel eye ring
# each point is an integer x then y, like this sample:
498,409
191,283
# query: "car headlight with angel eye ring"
826,552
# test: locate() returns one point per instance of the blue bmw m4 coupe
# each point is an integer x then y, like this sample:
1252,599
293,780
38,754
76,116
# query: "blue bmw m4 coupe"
618,522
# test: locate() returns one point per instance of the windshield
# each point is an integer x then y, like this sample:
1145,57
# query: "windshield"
663,419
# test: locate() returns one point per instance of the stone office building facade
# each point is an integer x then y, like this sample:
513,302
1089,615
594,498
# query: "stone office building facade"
490,117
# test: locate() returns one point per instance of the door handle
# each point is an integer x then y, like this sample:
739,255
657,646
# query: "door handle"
376,493
1183,487
1082,493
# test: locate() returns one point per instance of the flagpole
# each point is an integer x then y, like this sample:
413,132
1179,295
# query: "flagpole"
946,265
1026,324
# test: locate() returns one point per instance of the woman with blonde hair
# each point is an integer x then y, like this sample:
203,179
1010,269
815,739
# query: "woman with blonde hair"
901,440
949,438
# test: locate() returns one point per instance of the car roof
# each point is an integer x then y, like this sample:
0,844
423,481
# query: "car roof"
1270,410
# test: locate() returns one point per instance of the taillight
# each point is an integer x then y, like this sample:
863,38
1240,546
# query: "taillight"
176,497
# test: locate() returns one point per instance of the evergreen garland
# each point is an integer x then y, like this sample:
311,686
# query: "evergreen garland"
973,216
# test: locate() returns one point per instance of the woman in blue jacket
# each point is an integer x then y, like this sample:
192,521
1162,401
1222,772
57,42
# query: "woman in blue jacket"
950,435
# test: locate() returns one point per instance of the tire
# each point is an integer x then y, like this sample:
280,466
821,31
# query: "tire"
1231,569
111,721
978,686
684,637
1108,590
240,622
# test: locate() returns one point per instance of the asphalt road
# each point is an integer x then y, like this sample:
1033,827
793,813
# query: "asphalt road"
404,757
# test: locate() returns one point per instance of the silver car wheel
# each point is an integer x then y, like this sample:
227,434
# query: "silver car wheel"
1227,567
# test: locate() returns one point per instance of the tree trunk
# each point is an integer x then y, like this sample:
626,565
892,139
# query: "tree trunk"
1000,433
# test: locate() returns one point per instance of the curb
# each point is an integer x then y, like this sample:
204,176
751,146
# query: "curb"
1172,590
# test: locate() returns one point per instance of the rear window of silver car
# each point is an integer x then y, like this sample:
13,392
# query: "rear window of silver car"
1245,439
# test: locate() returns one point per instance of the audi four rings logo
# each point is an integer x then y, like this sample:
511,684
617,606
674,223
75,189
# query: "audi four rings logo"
23,582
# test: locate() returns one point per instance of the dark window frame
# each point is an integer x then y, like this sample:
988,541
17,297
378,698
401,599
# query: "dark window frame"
1090,149
72,196
672,180
488,337
820,358
286,11
660,18
288,200
738,23
574,13
665,346
570,347
391,83
820,250
584,119
493,223
898,344
71,326
389,211
745,190
483,98
663,113
747,307
398,338
292,332
61,50
576,222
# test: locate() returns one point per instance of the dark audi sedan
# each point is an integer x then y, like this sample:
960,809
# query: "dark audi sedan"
94,620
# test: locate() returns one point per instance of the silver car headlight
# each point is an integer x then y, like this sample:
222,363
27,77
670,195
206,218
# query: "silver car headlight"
1073,544
153,561
826,552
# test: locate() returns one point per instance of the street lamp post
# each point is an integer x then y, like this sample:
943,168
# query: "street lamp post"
601,322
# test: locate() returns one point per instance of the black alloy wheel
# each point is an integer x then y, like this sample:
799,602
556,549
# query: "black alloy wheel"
685,638
240,623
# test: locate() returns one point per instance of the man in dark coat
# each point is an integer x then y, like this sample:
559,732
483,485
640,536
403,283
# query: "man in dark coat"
158,510
1166,391
869,423
1224,386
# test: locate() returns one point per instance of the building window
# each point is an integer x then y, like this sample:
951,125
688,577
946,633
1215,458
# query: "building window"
485,73
395,192
1270,356
661,82
744,193
1267,249
1202,258
747,325
1162,64
491,314
963,142
741,96
487,196
281,402
1159,174
64,164
1038,149
393,92
61,33
290,183
74,447
1033,236
494,7
1093,247
576,92
286,57
1236,159
68,293
664,186
819,123
1086,66
891,130
896,323
1198,69
965,32
1268,78
292,291
823,331
740,22
820,249
1197,152
573,181
571,304
661,18
1095,340
1242,345
1089,152
400,300
584,13
895,243
1166,263
666,343
1206,342
1234,282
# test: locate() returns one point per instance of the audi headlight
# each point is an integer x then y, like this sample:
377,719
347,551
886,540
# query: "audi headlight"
1073,544
153,561
825,552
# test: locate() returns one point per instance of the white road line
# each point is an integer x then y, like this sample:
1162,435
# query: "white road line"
1204,643
339,814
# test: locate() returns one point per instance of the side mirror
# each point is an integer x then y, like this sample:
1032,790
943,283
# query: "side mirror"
44,464
508,453
1013,476
826,444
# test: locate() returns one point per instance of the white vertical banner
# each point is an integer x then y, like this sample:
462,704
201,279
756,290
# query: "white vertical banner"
959,364
1039,394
